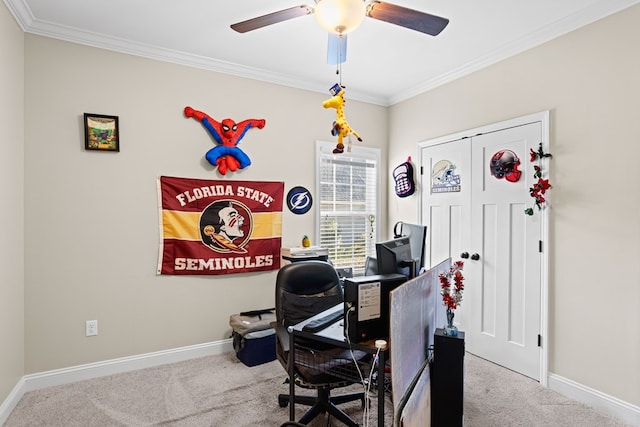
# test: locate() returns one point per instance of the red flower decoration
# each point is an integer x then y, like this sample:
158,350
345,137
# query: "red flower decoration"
543,185
538,171
452,294
540,187
533,154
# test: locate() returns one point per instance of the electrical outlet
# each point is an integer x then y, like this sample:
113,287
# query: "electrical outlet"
92,327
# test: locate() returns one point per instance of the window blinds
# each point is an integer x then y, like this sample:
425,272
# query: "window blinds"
348,198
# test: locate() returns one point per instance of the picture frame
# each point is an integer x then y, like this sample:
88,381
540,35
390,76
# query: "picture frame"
101,132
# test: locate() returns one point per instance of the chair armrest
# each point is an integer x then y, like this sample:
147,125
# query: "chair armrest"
282,335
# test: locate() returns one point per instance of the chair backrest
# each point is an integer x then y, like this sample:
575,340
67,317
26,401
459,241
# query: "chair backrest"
304,289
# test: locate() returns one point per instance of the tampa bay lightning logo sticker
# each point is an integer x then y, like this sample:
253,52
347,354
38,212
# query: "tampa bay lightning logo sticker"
299,200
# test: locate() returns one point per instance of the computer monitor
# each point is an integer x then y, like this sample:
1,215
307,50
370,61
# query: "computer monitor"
417,235
394,256
370,266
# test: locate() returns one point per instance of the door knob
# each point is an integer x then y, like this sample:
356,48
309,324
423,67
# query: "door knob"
464,255
475,257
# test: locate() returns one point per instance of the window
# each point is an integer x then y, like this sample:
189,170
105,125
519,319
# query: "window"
348,188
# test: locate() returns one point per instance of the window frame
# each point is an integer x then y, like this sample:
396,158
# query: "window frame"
324,148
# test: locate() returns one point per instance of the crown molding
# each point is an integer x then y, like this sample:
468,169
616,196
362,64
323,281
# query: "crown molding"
20,12
29,24
588,15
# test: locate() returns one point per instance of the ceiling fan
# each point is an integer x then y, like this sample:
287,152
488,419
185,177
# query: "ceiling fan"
340,17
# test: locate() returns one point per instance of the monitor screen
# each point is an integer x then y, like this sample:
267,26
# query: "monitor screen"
394,256
371,266
417,235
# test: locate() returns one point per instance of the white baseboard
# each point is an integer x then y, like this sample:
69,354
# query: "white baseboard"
108,367
602,402
11,401
124,364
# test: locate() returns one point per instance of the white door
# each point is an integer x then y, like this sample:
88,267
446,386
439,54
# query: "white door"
485,220
446,205
446,199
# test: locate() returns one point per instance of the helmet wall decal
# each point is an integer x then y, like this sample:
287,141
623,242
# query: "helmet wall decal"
444,178
504,164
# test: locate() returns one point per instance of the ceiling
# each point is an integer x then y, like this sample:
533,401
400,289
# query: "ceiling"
385,63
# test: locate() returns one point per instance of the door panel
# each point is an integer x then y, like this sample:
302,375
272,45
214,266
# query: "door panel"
506,326
439,241
517,274
446,203
487,304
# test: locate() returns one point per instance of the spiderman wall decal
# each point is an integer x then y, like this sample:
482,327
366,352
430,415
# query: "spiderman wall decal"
228,134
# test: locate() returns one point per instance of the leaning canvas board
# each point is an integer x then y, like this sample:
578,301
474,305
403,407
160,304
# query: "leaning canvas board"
415,309
416,411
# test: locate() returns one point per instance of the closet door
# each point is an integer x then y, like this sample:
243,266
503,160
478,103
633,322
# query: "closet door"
503,291
446,204
478,217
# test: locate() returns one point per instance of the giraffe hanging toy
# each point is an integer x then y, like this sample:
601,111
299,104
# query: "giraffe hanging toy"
340,127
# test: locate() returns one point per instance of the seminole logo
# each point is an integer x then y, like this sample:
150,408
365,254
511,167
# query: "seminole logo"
225,226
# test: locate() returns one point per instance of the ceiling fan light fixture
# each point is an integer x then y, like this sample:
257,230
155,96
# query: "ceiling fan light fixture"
340,16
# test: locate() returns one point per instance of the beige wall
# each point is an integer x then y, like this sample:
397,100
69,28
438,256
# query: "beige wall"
590,82
12,211
91,220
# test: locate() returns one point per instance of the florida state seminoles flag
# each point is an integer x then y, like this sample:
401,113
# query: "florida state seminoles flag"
219,227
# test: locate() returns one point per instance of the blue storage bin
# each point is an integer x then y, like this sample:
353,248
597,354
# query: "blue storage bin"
257,347
254,340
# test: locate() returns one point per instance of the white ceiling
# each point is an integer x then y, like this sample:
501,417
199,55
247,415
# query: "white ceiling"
385,63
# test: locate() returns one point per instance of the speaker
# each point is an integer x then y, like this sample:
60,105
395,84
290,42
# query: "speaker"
447,379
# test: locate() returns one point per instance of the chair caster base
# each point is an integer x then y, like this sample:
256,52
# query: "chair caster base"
283,402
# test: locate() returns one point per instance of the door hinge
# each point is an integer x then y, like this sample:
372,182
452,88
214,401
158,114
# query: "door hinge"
540,246
421,170
539,340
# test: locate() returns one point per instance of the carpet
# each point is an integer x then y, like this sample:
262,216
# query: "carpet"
210,391
220,391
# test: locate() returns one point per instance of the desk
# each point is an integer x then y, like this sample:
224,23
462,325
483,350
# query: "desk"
334,336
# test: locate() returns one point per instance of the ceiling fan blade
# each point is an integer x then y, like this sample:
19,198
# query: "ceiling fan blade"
336,49
408,18
272,18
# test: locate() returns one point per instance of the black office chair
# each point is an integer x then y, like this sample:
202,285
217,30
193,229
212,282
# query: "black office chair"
304,289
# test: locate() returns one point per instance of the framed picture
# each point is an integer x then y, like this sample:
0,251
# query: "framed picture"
101,132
